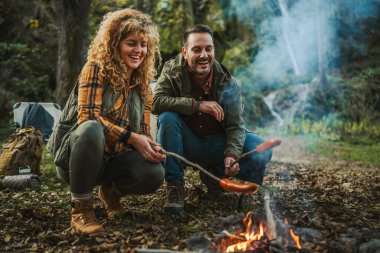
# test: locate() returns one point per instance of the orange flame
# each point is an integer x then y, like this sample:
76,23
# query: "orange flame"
296,239
252,238
249,234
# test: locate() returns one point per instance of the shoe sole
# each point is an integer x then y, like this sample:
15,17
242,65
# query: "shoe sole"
76,232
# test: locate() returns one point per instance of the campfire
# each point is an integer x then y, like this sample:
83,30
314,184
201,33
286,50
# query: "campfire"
261,235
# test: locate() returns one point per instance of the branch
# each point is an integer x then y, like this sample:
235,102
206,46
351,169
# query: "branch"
270,221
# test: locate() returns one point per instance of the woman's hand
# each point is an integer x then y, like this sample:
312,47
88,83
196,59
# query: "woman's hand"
151,150
231,170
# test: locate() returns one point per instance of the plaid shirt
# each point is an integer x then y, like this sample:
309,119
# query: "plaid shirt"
116,122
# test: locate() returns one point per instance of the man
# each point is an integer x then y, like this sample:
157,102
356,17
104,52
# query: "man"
200,118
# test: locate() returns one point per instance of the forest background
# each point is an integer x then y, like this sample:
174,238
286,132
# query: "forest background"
269,45
309,73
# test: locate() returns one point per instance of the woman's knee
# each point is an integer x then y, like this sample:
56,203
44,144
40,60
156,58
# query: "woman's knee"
90,133
154,177
147,180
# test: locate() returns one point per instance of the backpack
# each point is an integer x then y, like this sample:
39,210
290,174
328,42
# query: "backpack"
21,153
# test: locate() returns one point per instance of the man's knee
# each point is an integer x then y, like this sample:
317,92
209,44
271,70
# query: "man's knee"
258,159
255,175
168,118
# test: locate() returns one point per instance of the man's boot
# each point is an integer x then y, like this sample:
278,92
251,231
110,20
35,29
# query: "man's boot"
83,218
213,187
175,197
110,198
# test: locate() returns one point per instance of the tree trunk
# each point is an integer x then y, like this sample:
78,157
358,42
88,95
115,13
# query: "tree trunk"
72,43
321,48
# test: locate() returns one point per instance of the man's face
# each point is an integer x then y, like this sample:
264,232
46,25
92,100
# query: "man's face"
199,53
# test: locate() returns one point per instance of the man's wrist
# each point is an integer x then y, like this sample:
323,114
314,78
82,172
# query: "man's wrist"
197,105
231,155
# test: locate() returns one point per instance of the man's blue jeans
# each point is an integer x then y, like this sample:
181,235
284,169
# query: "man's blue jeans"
206,150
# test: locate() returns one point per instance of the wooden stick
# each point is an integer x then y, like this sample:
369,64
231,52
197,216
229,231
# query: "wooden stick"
270,221
225,183
242,156
260,148
192,164
234,236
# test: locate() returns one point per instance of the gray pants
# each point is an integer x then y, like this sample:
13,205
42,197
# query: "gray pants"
130,171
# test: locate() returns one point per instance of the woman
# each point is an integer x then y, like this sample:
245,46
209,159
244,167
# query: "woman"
111,145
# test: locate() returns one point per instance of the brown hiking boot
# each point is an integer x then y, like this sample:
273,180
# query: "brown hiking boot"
83,218
213,187
110,197
175,197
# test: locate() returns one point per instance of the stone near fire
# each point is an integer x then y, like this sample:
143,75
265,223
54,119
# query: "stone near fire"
371,246
344,245
310,234
199,243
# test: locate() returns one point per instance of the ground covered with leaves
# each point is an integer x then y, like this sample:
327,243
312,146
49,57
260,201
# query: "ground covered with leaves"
333,205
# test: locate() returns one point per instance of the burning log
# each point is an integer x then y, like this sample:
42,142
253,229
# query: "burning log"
261,235
272,232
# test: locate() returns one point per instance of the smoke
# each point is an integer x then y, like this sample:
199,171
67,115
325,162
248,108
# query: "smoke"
293,35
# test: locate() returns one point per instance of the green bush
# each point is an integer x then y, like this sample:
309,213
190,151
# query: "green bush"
354,100
22,73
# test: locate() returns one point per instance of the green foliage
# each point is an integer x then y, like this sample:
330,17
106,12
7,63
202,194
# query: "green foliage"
15,17
364,131
49,173
256,113
100,7
214,16
354,100
326,127
172,17
367,153
334,129
28,54
236,56
5,131
22,73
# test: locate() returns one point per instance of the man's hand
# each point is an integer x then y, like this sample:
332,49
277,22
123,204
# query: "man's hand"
212,108
231,170
151,150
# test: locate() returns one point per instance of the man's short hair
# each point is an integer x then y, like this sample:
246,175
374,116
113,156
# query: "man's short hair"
196,29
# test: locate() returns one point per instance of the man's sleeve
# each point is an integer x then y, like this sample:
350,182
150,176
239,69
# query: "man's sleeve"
168,97
234,123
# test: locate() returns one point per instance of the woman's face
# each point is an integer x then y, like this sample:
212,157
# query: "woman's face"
133,50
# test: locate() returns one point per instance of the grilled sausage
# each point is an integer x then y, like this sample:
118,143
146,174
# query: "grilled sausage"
245,187
268,144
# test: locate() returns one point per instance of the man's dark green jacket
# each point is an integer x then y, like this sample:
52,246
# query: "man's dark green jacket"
173,93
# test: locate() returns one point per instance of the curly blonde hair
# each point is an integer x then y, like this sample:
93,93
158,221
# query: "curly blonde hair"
104,49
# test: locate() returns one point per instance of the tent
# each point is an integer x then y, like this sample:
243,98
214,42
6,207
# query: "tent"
42,116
